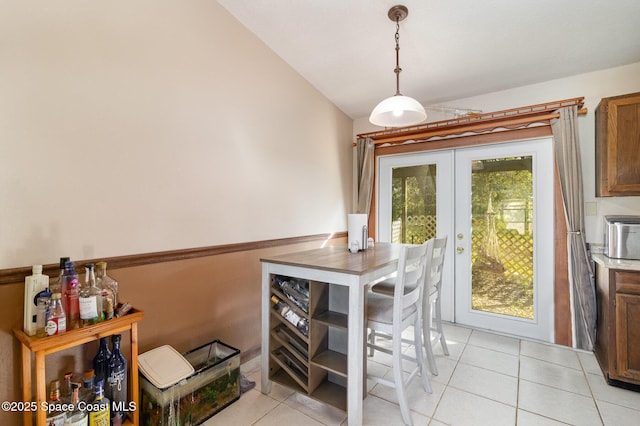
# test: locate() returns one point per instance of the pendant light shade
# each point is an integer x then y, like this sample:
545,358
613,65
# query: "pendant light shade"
398,110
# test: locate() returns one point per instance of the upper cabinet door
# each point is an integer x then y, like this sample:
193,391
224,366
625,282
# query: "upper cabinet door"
618,146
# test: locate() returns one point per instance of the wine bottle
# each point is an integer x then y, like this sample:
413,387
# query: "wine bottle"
56,286
101,361
287,313
90,299
70,295
117,382
109,285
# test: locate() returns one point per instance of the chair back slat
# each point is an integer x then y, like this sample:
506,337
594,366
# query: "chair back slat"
413,265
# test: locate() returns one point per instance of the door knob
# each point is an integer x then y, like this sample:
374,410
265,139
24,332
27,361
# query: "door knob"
460,236
460,249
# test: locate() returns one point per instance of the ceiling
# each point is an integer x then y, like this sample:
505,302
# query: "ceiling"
449,49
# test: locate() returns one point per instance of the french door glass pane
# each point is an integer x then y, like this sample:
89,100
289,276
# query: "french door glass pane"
413,204
502,236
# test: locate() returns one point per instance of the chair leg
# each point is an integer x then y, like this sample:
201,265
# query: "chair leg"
426,338
443,341
399,380
417,336
372,341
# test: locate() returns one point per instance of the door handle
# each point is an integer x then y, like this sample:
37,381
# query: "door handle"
460,249
460,236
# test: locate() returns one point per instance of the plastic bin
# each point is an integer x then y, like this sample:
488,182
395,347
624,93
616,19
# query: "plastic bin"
213,386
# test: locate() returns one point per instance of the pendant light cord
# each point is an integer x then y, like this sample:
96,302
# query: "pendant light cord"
397,70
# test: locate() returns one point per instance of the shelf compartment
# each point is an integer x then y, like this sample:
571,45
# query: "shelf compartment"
283,378
79,336
275,288
332,319
280,319
292,366
332,361
293,343
332,394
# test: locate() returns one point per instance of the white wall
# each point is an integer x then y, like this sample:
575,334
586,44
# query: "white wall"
143,126
593,87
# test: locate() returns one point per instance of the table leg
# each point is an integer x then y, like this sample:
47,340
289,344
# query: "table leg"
41,388
355,375
265,383
26,383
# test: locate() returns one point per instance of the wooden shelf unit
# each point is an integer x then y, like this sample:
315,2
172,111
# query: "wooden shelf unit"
43,346
306,364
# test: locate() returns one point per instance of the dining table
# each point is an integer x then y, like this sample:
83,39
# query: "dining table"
353,272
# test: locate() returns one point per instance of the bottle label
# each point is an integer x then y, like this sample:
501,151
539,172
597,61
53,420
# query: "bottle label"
88,308
100,415
292,317
56,326
116,379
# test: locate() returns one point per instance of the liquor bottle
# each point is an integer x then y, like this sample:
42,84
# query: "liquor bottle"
87,392
104,281
55,415
56,319
56,286
90,299
101,361
295,291
70,295
99,415
42,313
117,382
286,312
67,389
35,285
76,416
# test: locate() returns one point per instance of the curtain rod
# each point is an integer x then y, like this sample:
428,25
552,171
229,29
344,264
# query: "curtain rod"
516,117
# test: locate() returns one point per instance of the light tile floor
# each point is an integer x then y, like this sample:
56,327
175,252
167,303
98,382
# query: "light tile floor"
488,379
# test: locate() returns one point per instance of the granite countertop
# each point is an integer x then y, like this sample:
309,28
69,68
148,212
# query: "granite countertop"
602,260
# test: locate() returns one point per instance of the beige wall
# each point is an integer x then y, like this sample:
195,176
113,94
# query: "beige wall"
143,126
592,86
140,127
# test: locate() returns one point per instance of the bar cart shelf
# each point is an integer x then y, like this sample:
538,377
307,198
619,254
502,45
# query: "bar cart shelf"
43,346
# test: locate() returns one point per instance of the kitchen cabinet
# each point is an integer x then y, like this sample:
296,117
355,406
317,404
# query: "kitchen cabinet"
43,346
618,146
618,335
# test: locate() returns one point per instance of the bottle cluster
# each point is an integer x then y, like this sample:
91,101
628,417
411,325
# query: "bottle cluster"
53,308
297,292
98,397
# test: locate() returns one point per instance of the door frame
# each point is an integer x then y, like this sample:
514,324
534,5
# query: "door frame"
442,158
561,283
541,327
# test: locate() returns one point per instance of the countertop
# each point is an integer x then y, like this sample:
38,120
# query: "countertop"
626,264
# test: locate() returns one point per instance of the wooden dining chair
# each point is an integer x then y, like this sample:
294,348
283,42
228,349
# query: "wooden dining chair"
393,315
432,312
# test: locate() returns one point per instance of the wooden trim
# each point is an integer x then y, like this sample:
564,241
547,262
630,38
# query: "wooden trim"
561,291
466,141
477,123
17,275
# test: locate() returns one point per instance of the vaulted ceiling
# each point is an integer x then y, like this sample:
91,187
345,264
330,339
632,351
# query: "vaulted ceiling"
448,49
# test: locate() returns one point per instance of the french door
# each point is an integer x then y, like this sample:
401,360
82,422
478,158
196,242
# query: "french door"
495,204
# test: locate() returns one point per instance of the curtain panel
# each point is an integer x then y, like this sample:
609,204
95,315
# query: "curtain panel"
581,276
365,148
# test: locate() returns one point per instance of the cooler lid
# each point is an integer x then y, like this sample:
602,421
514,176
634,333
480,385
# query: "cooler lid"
164,366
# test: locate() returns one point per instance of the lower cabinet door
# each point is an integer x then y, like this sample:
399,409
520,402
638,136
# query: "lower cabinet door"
628,336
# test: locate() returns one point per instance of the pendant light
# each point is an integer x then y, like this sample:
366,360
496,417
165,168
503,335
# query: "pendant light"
398,110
